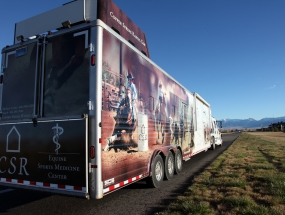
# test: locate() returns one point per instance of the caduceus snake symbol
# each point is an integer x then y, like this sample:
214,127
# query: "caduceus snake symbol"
57,132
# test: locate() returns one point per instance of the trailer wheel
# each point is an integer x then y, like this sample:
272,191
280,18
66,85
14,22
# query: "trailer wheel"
157,172
178,162
213,144
169,166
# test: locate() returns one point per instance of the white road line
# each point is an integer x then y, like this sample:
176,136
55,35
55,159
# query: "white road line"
5,191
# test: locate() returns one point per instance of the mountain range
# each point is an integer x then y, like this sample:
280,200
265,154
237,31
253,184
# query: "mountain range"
250,123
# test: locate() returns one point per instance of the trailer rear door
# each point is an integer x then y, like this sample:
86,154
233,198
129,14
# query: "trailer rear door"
19,87
66,74
46,80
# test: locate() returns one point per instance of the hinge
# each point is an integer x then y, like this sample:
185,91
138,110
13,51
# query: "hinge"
90,105
91,46
2,68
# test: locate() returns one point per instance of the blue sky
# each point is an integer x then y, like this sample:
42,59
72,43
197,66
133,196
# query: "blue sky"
232,53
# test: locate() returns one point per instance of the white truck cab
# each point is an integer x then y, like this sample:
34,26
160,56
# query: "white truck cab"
216,137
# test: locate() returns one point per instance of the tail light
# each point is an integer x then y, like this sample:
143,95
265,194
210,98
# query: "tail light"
92,152
93,60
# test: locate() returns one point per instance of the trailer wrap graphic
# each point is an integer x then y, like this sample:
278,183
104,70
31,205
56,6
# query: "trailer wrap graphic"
51,152
114,17
143,110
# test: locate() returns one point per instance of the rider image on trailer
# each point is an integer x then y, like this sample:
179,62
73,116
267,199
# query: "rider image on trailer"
176,134
125,118
125,122
133,96
160,113
140,107
66,77
206,123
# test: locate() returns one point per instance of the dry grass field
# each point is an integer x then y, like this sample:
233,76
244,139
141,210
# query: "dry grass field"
248,178
278,137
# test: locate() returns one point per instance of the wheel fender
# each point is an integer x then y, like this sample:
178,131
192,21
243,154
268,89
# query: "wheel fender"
163,151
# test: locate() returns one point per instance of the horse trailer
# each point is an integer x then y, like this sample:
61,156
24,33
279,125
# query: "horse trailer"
84,111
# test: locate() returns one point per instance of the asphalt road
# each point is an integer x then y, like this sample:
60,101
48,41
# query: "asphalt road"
136,198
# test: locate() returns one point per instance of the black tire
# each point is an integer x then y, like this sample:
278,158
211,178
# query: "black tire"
169,166
178,162
157,172
213,144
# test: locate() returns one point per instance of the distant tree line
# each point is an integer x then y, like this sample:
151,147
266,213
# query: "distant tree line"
274,127
279,126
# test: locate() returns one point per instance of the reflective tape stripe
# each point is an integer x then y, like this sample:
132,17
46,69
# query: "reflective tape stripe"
123,183
43,184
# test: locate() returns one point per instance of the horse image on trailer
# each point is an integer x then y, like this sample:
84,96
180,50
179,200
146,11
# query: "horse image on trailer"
84,111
